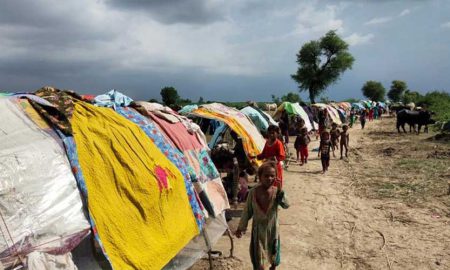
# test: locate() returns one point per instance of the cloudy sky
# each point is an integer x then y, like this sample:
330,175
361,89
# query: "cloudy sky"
228,50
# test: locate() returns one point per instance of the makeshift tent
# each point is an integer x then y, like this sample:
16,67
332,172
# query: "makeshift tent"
179,130
257,118
202,173
358,106
294,109
187,109
41,205
253,142
346,106
332,112
131,201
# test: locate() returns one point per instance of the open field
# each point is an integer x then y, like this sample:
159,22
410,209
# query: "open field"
386,207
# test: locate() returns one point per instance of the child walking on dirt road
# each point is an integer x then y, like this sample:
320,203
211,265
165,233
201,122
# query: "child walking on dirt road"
301,145
334,133
324,150
345,139
262,205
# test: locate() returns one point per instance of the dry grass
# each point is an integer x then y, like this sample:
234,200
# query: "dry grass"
405,167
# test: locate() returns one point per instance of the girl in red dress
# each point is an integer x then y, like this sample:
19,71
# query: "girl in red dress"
274,150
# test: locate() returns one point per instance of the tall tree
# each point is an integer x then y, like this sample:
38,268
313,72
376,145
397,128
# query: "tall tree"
374,90
321,63
397,89
169,95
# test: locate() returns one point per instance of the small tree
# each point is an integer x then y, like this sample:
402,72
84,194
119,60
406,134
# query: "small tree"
201,100
169,95
291,97
373,90
397,89
321,63
153,100
275,99
411,96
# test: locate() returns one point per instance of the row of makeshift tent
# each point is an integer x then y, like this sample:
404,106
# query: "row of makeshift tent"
135,176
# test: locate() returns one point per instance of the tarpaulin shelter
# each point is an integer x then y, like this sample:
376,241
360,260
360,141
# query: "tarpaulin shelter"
136,189
332,112
294,109
187,109
345,105
261,120
42,210
252,140
358,105
190,140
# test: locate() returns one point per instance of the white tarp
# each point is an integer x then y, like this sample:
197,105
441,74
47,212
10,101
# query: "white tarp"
41,207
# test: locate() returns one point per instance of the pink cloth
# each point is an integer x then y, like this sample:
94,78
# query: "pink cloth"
178,134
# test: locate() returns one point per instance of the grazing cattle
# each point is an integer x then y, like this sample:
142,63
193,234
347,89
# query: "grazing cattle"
271,107
413,118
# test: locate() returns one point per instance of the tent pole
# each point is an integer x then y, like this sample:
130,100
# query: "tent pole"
208,245
235,184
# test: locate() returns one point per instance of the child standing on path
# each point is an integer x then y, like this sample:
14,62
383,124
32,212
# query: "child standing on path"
274,150
262,205
324,150
345,140
334,132
301,145
362,118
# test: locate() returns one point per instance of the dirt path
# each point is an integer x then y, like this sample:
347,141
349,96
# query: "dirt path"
344,220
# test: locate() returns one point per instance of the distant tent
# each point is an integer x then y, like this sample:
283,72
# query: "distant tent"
261,120
187,109
346,106
358,106
332,112
294,109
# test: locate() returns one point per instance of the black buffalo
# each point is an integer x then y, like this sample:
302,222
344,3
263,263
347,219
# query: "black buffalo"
413,118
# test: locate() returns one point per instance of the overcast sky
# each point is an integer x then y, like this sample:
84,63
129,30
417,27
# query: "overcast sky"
228,50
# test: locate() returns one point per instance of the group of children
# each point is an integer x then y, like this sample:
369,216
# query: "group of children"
263,201
329,142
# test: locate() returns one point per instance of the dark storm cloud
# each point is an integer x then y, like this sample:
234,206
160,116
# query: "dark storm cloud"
174,11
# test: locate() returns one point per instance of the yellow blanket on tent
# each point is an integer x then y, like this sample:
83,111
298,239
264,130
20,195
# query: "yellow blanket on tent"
136,196
252,140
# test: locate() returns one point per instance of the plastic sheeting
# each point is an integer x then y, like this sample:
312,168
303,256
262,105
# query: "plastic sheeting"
260,122
198,247
41,204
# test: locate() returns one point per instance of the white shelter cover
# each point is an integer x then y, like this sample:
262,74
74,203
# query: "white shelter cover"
41,207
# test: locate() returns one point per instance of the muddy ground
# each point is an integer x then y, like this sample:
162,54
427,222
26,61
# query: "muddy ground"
385,207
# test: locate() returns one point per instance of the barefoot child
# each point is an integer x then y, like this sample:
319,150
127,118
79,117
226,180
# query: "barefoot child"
324,150
301,145
262,205
274,150
345,139
335,133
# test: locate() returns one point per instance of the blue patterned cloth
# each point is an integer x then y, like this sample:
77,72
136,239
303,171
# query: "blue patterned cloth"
112,99
72,154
